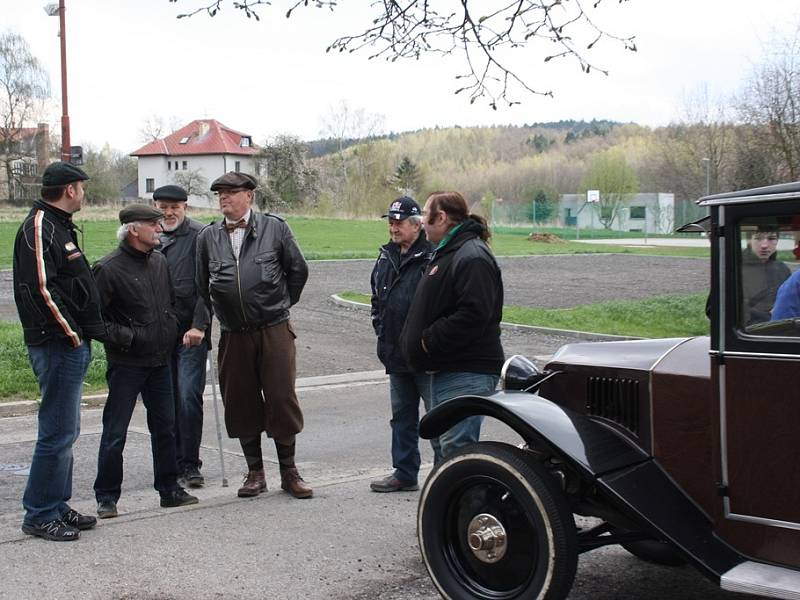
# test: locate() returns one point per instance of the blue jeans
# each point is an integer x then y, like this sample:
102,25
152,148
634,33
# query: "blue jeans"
188,384
124,385
443,386
405,391
60,369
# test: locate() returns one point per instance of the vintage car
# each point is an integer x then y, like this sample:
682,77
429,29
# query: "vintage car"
684,450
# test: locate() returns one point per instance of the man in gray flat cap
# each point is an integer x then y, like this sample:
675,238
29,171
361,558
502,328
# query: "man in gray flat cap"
59,308
188,363
138,301
251,270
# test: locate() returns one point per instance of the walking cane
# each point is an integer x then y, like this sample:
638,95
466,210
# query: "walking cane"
210,364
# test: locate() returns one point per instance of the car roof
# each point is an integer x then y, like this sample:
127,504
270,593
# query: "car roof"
770,193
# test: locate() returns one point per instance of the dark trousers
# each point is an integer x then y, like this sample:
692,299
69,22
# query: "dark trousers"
124,385
188,384
256,376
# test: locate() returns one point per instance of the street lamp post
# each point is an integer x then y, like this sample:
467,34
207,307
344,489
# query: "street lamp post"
53,10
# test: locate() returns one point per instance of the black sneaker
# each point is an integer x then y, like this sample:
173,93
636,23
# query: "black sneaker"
178,497
107,509
56,531
75,519
193,477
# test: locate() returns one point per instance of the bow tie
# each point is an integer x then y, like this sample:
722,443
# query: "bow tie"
241,223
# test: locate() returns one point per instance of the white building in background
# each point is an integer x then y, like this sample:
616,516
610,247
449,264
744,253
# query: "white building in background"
648,213
204,147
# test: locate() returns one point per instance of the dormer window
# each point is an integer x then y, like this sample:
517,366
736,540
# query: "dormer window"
184,140
244,142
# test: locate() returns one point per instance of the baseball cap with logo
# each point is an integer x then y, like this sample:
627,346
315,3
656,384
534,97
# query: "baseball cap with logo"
402,208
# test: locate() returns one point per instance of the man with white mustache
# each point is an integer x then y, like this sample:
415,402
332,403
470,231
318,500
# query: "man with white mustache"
188,365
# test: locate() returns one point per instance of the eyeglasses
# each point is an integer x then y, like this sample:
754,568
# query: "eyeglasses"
221,193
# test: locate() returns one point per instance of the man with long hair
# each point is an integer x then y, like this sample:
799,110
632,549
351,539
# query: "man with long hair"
452,333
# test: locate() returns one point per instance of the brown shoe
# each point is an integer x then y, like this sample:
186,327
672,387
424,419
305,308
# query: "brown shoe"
292,482
254,484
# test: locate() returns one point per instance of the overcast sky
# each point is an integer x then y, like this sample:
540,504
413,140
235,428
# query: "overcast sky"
130,59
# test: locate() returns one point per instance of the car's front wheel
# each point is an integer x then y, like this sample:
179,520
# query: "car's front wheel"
493,524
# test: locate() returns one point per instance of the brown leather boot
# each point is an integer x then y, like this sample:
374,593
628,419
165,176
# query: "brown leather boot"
253,485
292,482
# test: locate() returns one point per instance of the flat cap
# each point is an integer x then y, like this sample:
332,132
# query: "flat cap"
62,173
139,212
232,179
170,192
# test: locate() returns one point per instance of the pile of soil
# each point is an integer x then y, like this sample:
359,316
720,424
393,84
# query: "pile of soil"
547,238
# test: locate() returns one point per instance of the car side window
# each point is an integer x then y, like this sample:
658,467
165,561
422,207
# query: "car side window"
768,292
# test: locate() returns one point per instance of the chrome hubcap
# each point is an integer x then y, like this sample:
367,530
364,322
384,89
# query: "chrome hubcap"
486,537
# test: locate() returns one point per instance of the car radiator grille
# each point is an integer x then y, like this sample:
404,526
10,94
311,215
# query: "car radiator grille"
614,399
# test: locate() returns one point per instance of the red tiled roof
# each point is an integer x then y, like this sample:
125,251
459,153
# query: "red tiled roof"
204,136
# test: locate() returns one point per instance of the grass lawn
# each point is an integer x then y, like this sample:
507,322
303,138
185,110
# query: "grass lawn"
663,316
331,238
18,382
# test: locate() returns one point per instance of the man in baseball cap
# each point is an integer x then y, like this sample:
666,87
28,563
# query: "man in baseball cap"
394,280
188,363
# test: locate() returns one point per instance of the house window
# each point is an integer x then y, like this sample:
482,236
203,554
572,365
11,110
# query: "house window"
176,165
185,165
169,165
184,140
149,185
245,142
638,212
237,166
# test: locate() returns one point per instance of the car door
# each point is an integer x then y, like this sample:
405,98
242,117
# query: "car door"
758,378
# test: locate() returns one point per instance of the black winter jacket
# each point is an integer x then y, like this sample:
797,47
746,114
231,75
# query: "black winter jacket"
256,290
457,309
138,305
54,289
394,280
760,283
179,247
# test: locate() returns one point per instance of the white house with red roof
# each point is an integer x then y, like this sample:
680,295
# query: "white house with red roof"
204,147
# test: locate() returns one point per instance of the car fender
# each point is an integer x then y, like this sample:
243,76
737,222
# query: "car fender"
591,446
634,482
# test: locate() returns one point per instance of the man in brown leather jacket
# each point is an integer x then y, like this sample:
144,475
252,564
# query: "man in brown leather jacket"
251,271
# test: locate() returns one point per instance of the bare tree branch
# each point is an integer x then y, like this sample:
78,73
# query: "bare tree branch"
409,29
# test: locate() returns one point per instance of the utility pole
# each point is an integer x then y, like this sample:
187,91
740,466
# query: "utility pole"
53,10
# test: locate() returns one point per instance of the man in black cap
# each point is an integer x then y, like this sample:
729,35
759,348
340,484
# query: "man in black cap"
251,270
59,309
394,280
178,242
138,300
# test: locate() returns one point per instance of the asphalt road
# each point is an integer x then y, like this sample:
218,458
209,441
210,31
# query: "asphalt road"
345,543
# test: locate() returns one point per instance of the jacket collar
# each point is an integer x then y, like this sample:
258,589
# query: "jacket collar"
131,251
56,212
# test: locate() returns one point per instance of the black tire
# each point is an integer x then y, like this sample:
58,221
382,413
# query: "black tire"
655,551
541,550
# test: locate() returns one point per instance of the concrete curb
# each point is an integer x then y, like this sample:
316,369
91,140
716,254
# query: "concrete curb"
587,336
28,407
